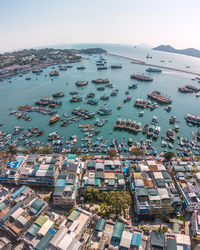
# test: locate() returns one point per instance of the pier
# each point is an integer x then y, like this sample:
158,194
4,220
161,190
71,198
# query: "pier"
154,65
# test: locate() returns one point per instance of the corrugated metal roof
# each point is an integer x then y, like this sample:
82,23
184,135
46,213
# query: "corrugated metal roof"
37,204
117,233
40,220
44,241
100,226
126,240
157,239
99,175
136,239
65,242
17,213
46,226
11,211
33,230
18,192
58,236
60,183
97,182
171,244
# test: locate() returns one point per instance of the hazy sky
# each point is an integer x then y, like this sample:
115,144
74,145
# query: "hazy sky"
29,23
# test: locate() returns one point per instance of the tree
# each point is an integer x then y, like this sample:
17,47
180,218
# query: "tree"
112,153
137,152
168,156
46,150
12,150
33,150
104,197
91,194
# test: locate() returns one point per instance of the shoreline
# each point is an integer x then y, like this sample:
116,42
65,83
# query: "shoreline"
153,65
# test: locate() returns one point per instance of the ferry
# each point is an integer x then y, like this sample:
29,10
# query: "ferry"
54,119
143,78
154,70
54,73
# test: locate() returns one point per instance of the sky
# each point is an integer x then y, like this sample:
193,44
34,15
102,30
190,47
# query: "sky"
32,23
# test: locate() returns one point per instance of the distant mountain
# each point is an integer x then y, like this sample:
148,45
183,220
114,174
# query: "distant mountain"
187,52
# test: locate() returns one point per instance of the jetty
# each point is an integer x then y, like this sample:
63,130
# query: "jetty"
154,65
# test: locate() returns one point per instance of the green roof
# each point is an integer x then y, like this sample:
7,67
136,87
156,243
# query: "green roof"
166,175
37,204
97,182
33,229
51,167
117,233
141,192
101,223
40,220
160,182
74,215
99,175
153,192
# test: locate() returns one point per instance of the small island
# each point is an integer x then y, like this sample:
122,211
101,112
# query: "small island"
188,52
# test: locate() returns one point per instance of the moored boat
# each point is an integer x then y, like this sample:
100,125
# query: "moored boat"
54,119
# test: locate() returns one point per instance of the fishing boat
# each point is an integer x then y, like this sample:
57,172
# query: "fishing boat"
113,93
198,134
63,68
145,129
81,67
133,86
81,83
154,70
54,73
176,128
170,135
27,78
141,77
137,127
141,114
101,88
54,119
156,132
193,119
150,130
104,97
104,111
37,71
101,81
185,90
157,96
128,99
130,142
90,95
92,102
163,143
116,66
154,120
172,119
74,93
102,68
168,109
58,94
119,106
76,99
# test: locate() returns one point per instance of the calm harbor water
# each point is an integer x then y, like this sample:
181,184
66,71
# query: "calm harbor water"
21,92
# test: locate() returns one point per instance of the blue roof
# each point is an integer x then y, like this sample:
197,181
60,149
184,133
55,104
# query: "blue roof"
136,239
60,183
19,191
125,170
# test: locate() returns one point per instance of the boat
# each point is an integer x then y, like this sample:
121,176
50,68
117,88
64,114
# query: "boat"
116,66
156,132
104,97
133,86
130,142
102,68
113,93
127,99
119,106
100,81
54,73
154,70
63,68
198,134
92,102
150,130
141,114
141,77
163,143
157,96
185,90
58,94
170,145
170,135
36,71
172,119
101,88
27,78
81,67
169,108
198,94
90,95
76,99
109,85
154,120
104,111
193,119
54,119
74,93
145,104
176,128
145,129
81,83
148,56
